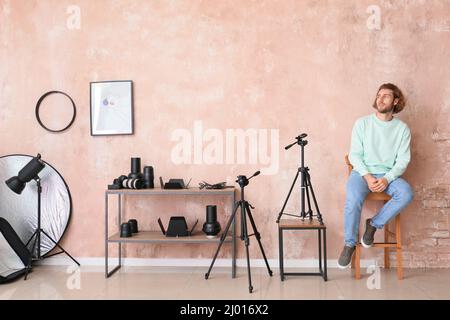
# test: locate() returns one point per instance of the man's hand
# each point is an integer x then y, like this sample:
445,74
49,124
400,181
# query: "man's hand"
371,181
380,185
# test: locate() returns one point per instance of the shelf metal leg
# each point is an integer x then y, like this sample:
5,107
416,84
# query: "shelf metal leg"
119,204
325,253
106,235
118,227
233,241
107,272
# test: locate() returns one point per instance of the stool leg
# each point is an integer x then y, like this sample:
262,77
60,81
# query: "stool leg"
353,261
320,250
387,263
398,236
353,265
358,262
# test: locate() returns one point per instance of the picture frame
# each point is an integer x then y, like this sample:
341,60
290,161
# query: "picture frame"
111,107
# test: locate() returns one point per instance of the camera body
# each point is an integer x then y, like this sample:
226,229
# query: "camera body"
135,179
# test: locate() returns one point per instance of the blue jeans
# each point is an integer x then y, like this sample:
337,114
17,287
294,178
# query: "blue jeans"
356,193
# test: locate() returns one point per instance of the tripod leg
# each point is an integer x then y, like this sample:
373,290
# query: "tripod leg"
28,270
287,198
258,237
244,236
309,213
319,216
31,255
222,238
73,259
32,236
303,188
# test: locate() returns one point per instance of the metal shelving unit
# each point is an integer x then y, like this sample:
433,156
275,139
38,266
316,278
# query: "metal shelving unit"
156,236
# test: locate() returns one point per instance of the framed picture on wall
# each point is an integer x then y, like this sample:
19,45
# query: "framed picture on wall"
111,107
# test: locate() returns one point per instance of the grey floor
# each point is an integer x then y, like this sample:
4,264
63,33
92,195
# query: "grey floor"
50,282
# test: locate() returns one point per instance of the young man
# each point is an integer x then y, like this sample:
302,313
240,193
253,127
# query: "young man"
379,154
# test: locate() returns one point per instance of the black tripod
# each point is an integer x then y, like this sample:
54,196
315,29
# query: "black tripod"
306,186
245,211
37,236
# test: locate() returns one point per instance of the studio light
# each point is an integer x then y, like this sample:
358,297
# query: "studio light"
28,173
17,184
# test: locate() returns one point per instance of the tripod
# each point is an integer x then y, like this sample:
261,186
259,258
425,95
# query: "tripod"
245,211
306,186
37,236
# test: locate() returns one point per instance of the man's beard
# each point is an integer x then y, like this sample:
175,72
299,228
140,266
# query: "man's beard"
386,110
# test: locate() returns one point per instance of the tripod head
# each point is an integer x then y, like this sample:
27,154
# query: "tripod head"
299,141
243,180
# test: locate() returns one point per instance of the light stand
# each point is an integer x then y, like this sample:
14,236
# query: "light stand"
245,211
17,184
306,186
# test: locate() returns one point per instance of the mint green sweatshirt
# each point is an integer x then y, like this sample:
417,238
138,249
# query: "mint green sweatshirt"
380,147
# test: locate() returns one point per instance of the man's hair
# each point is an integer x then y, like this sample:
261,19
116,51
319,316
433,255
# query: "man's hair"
398,94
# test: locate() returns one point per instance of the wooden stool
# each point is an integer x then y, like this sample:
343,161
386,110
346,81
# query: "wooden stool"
356,259
299,224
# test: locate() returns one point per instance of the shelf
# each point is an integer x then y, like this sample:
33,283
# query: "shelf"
159,191
158,237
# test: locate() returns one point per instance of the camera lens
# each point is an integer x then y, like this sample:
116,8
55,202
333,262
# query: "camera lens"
139,184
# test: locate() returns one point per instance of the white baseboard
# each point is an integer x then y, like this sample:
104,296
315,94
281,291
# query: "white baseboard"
134,262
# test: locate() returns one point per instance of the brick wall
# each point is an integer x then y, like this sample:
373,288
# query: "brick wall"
426,234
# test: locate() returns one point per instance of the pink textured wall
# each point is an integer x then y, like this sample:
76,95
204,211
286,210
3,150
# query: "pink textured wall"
292,66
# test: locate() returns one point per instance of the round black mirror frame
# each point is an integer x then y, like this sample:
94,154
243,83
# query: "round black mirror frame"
38,105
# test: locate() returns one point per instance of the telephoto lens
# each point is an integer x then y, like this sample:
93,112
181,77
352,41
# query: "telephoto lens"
135,169
133,183
138,184
119,181
148,177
